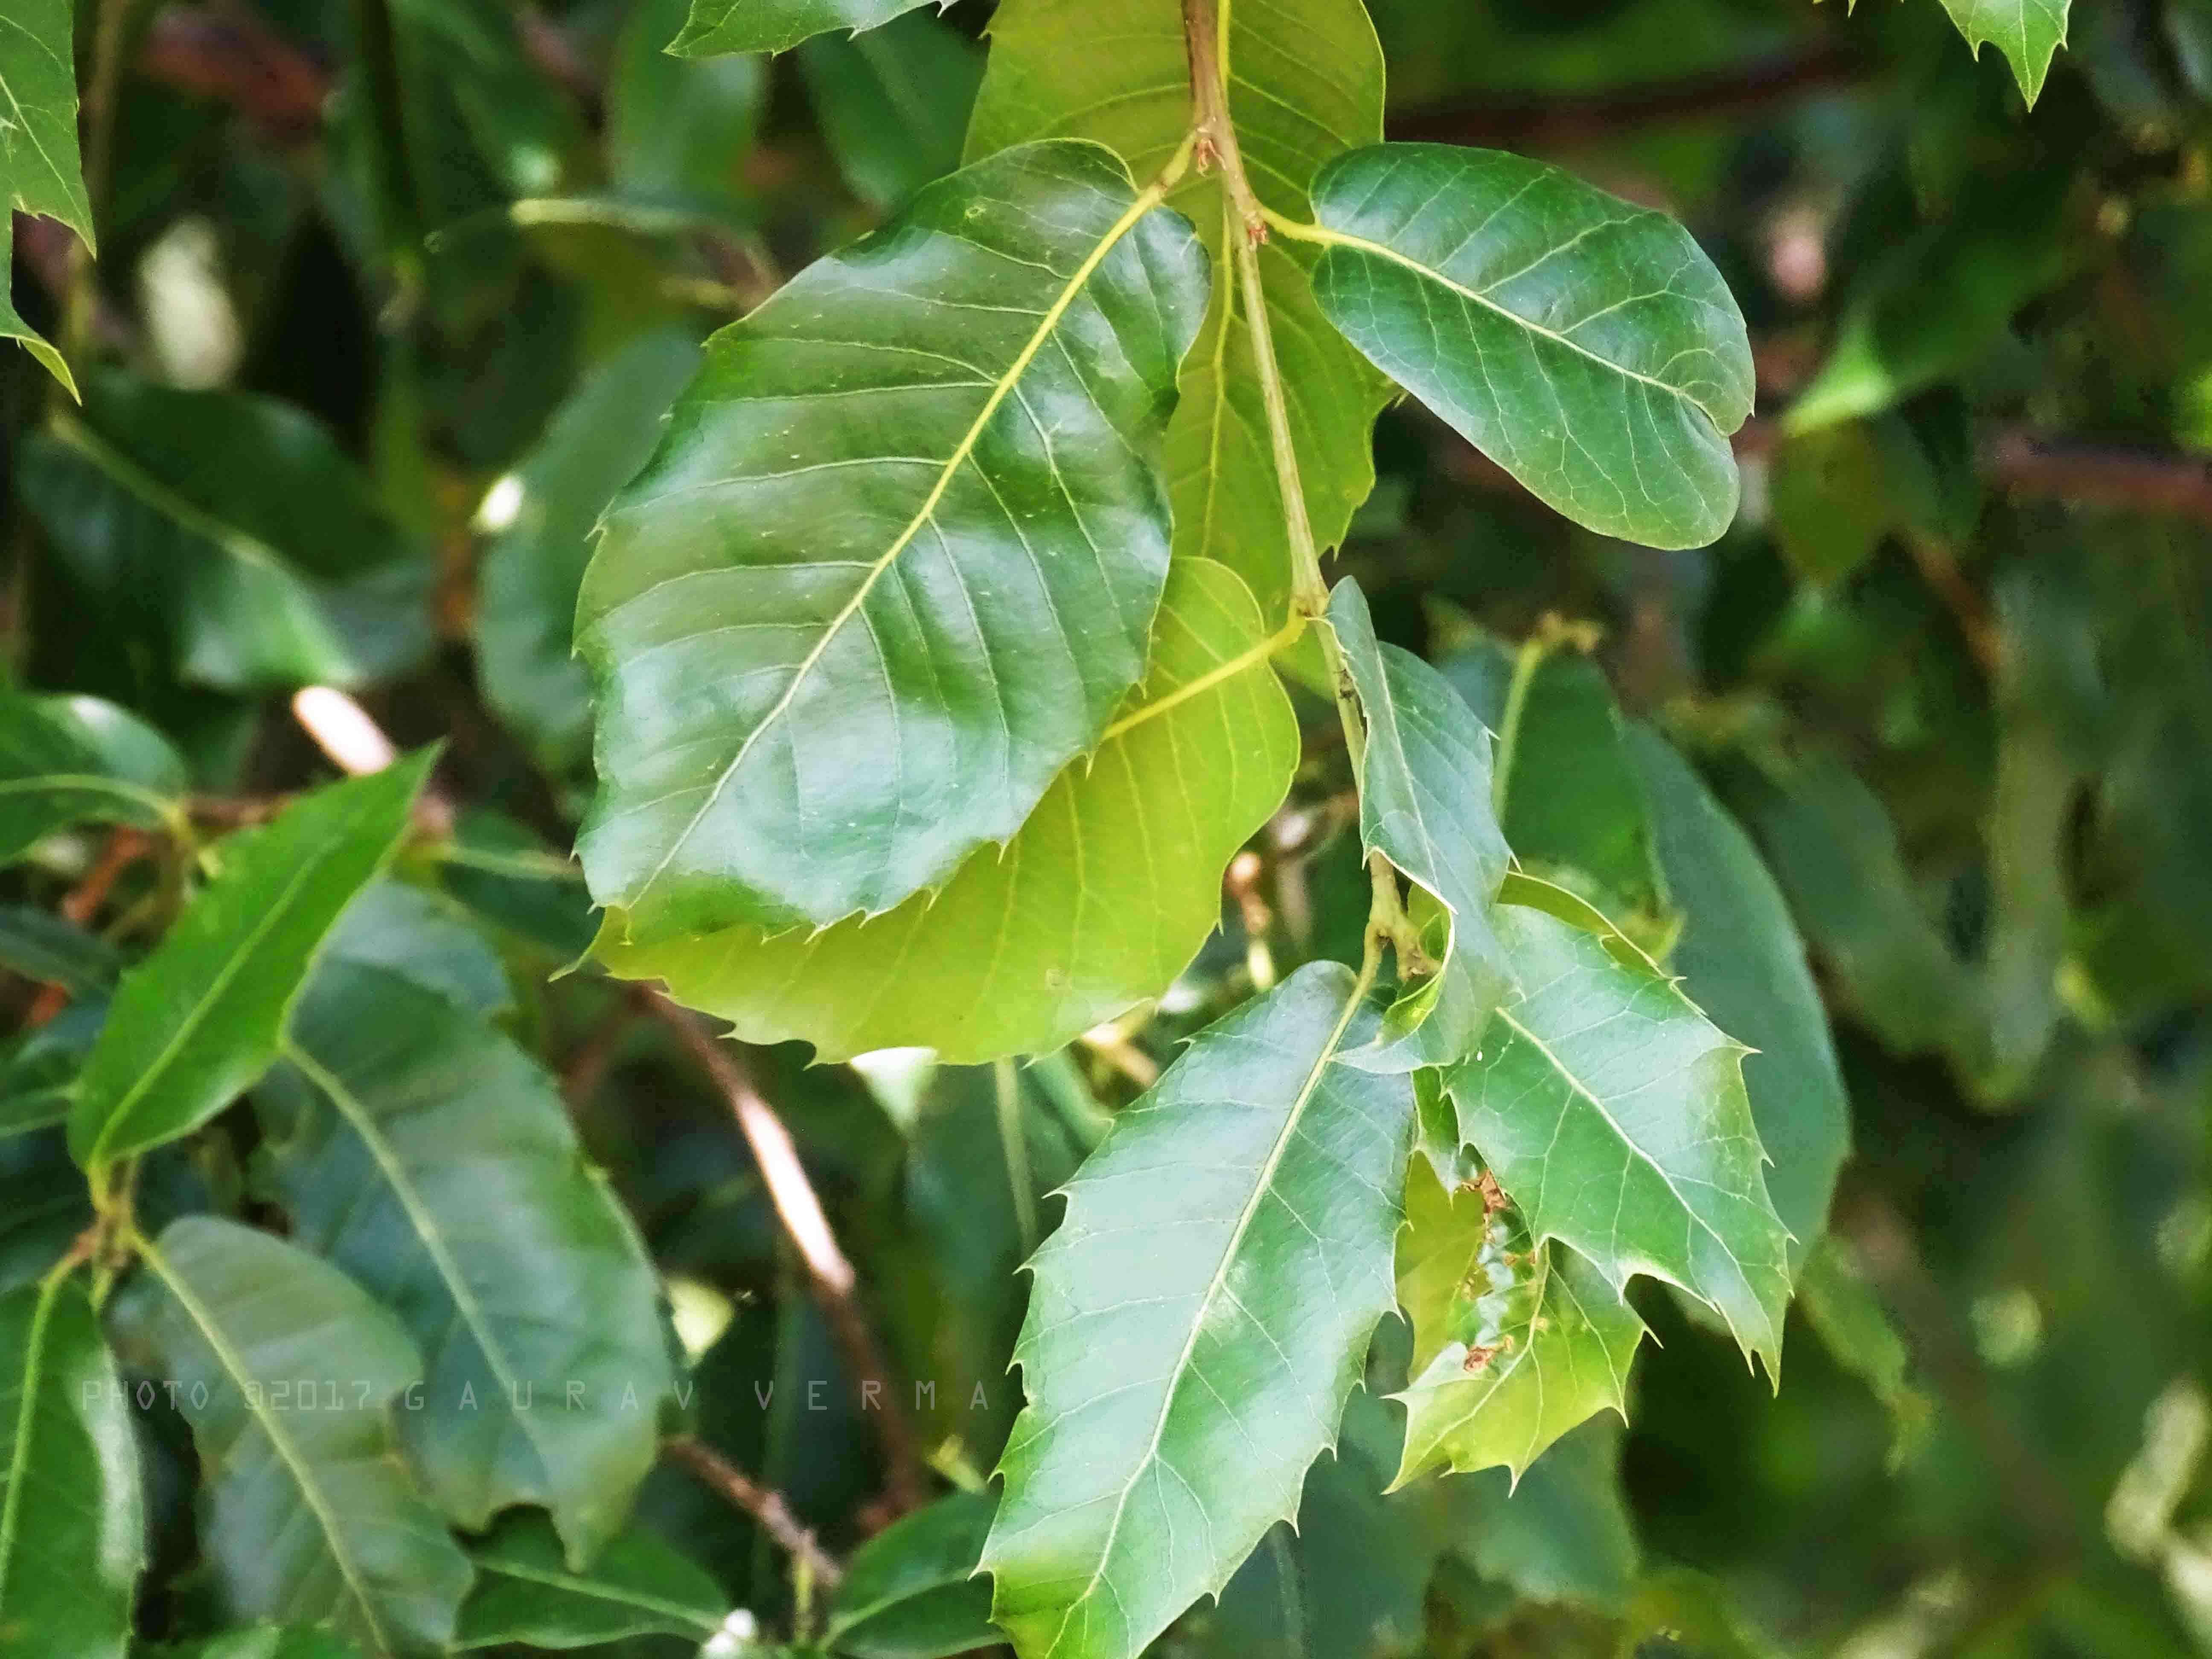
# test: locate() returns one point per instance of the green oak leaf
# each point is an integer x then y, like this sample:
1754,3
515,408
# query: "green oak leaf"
718,26
526,1593
896,561
1741,960
533,563
1197,1321
2027,32
1424,803
38,168
1097,904
1514,1341
67,761
1613,1113
1586,345
200,1020
288,1373
72,1517
432,1159
1305,83
911,1591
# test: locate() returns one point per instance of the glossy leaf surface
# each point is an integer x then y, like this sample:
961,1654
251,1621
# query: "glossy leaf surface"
1305,83
435,1161
897,559
2027,32
1424,785
72,1519
198,1021
287,1373
1613,1113
1095,905
716,26
1196,1323
1587,346
1514,1342
38,168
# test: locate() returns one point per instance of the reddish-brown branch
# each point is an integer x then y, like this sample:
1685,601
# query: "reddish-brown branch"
1555,122
765,1504
237,59
2016,460
2132,480
124,847
797,1207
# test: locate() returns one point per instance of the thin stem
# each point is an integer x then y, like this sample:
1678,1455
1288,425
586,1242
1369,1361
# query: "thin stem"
1215,132
765,1504
801,1212
1287,635
1551,632
1007,1096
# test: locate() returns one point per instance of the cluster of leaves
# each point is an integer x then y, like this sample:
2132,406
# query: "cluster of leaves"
950,634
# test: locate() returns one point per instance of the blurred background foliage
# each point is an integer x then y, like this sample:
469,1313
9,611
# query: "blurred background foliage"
389,298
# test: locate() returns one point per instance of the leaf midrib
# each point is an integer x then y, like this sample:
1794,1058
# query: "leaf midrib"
1327,237
11,1504
1578,1086
619,1594
1261,1186
1146,200
287,1453
309,865
428,1231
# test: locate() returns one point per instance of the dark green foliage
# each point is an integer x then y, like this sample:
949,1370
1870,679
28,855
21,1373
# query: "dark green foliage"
1351,700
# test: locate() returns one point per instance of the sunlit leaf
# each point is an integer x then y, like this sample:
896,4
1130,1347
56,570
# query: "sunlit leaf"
897,558
1514,1341
1095,904
774,25
1196,1323
39,169
2027,32
1587,346
1613,1114
1425,787
1305,83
